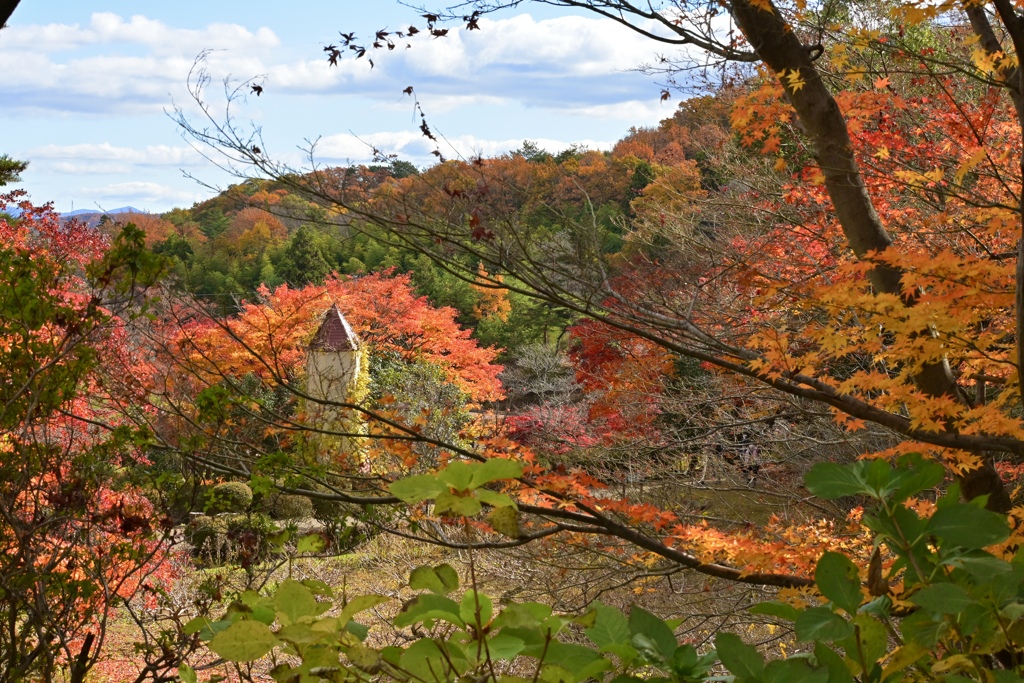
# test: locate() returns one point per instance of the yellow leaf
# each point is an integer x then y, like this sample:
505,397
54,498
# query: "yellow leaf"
793,80
780,164
969,165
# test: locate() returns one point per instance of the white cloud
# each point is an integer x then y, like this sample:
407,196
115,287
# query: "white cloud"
110,159
141,194
109,28
414,147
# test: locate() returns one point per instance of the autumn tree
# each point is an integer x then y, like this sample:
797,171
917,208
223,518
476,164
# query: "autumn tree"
79,534
859,259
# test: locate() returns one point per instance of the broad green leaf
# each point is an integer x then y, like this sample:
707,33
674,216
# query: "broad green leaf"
244,641
417,488
196,624
878,476
186,674
793,670
504,647
442,579
520,615
301,634
874,639
424,660
923,628
429,606
775,609
902,657
363,657
642,622
981,566
458,475
967,526
834,664
474,602
942,598
311,543
493,498
609,627
360,603
505,520
919,475
495,469
580,661
295,601
838,580
738,657
449,503
821,624
829,480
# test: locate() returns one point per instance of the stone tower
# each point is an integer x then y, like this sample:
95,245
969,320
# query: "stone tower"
334,364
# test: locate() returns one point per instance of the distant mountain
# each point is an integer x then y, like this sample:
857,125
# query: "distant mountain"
84,212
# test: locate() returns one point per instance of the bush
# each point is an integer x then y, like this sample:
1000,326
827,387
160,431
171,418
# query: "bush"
247,535
231,496
284,506
205,532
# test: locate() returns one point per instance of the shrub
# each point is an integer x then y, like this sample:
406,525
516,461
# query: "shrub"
231,496
284,506
205,533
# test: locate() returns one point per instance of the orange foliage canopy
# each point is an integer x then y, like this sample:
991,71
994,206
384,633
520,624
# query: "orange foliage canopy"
269,338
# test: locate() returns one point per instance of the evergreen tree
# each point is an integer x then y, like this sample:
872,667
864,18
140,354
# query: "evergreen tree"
303,262
10,169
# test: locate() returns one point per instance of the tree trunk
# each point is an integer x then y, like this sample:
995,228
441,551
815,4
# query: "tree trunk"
6,10
779,48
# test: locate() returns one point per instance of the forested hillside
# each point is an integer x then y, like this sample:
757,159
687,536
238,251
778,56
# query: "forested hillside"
737,399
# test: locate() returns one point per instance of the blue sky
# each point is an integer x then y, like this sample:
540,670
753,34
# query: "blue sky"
87,86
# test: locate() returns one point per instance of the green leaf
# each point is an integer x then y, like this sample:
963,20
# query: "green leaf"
642,622
522,615
458,475
196,624
295,601
738,657
923,628
838,580
833,663
429,606
244,641
942,598
417,488
919,475
829,480
776,609
967,526
505,520
609,627
312,543
472,603
493,498
361,603
495,469
821,624
793,670
448,502
874,639
424,660
363,657
504,647
442,579
187,674
580,661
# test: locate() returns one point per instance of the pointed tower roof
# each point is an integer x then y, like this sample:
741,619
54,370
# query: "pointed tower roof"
335,334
